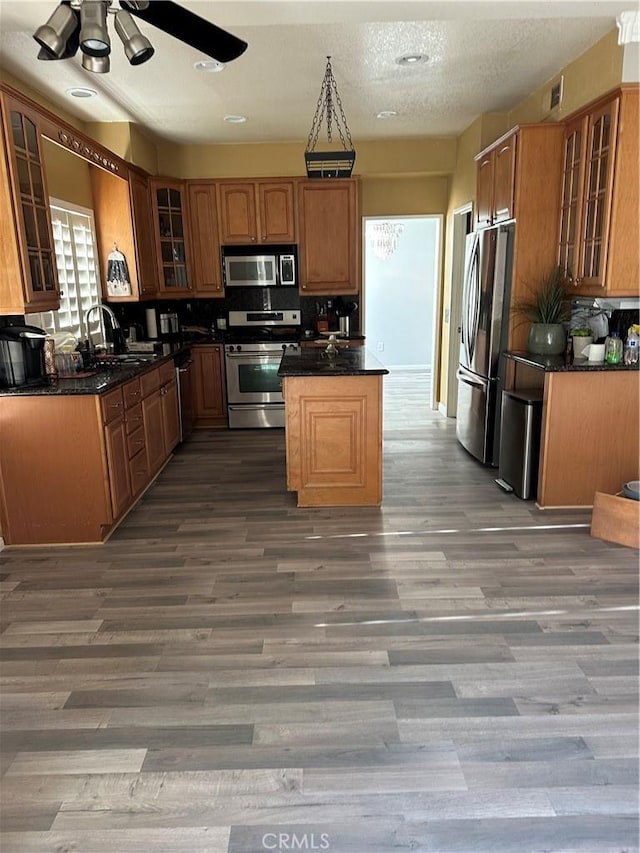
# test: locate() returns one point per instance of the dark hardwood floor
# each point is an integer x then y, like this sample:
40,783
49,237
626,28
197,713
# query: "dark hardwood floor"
455,671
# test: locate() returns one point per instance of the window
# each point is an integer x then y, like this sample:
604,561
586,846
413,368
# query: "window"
78,273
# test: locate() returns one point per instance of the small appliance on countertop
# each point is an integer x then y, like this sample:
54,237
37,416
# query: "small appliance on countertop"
22,356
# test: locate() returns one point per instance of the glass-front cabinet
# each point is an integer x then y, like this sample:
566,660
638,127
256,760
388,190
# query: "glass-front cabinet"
588,185
170,217
30,263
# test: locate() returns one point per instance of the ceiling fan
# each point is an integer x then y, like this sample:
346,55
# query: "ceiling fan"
83,24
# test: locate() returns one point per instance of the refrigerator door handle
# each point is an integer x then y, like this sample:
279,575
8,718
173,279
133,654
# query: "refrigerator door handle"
466,377
470,299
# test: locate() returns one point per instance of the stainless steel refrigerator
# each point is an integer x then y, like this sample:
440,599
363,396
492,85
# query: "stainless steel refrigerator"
483,337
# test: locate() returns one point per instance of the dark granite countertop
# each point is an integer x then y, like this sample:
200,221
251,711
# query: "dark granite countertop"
562,364
313,361
99,380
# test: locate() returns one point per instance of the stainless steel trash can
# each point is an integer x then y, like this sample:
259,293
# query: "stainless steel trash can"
520,442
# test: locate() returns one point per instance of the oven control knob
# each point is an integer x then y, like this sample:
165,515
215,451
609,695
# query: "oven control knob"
238,348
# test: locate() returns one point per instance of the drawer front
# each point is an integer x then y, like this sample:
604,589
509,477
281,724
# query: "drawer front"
132,393
150,382
138,472
112,405
133,417
167,372
136,442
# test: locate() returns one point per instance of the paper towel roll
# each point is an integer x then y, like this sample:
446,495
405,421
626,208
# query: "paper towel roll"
152,323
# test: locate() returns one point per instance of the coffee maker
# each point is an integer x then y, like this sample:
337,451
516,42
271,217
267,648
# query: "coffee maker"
22,356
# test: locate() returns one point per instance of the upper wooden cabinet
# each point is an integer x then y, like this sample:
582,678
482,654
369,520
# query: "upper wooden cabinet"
170,217
328,229
140,199
526,176
28,272
203,218
257,211
122,207
495,182
600,197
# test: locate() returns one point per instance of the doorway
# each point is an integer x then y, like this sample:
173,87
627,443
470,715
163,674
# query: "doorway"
462,225
401,274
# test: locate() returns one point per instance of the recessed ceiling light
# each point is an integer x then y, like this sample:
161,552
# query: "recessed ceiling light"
235,119
412,59
211,65
387,114
81,92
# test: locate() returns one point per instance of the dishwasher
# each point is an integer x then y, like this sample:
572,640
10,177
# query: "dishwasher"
184,367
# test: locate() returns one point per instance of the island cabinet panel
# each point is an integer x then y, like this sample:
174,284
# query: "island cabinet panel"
54,470
327,227
333,440
208,389
590,436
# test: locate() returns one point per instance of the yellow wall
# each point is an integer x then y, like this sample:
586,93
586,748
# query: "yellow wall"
67,175
592,74
380,157
398,196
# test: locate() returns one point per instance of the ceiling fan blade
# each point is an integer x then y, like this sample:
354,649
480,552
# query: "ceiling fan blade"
189,28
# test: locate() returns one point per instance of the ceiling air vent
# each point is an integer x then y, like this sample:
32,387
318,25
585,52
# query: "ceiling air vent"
556,94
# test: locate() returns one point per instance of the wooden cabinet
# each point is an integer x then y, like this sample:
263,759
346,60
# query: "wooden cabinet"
169,205
28,272
529,163
203,216
334,439
145,249
209,394
122,207
600,198
328,236
257,211
115,436
495,182
160,414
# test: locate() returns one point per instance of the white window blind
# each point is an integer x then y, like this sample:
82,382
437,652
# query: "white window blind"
78,273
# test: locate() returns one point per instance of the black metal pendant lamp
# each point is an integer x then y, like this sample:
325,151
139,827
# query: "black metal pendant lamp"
336,163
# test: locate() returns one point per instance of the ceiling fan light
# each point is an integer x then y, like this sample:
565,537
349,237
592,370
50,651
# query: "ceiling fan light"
97,64
94,37
137,47
53,35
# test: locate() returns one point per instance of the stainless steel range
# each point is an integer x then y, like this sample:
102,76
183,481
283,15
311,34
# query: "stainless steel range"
255,342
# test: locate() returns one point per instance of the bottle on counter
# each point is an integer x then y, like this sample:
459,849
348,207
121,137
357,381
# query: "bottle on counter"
632,347
613,349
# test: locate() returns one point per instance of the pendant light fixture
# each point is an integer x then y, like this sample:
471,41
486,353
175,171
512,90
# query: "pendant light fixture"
334,163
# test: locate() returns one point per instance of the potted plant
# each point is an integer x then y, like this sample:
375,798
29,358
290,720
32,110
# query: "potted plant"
548,308
582,337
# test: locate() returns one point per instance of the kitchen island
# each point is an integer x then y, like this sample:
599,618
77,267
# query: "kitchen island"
333,422
590,437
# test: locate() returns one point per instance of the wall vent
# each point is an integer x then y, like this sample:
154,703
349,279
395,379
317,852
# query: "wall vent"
556,94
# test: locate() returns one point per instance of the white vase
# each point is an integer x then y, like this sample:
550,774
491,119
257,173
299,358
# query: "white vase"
579,343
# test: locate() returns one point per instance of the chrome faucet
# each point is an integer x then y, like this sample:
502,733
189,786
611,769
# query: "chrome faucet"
109,312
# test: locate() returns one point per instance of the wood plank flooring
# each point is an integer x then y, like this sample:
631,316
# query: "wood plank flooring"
455,671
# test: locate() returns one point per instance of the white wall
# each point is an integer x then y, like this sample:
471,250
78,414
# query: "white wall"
400,292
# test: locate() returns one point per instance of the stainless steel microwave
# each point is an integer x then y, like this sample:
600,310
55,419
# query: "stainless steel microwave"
277,270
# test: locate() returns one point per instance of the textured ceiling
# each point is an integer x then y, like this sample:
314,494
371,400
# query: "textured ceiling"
484,56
